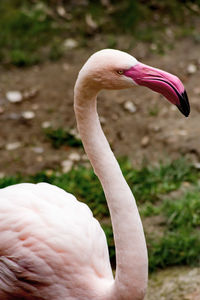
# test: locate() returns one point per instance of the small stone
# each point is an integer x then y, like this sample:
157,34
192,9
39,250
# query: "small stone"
14,116
30,93
90,22
84,157
145,141
129,106
155,128
75,133
61,11
66,67
66,165
156,17
46,124
70,43
173,107
191,69
164,111
106,3
166,20
49,172
1,110
28,115
74,156
87,165
197,90
14,96
39,158
37,149
35,106
13,146
153,47
58,173
197,165
2,175
194,7
102,120
182,132
186,184
171,140
169,32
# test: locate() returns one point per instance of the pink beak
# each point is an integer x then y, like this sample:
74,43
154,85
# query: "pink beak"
162,82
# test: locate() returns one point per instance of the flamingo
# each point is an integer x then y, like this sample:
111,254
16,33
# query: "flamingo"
51,246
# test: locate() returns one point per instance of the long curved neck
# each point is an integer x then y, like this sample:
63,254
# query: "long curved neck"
131,253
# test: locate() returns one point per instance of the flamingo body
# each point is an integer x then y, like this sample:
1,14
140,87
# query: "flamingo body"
52,240
51,247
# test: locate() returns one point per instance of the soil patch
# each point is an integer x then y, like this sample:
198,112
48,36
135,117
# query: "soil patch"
167,134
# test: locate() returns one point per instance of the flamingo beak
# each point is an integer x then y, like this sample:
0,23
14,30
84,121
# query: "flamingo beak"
184,105
161,82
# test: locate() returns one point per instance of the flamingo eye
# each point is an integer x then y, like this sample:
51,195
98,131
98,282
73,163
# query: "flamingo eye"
120,72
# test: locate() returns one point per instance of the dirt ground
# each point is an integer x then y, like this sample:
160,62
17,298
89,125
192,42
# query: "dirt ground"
175,284
156,131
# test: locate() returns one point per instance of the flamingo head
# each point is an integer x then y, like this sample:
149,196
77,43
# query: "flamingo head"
114,69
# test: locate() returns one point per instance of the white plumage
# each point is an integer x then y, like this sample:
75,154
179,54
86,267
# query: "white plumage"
47,230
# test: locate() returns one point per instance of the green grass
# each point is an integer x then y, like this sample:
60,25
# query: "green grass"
180,247
150,183
26,31
184,211
59,137
180,242
33,31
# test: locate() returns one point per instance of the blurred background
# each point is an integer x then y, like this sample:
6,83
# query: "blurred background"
43,45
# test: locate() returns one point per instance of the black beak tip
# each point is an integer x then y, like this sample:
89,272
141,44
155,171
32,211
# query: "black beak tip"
184,105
